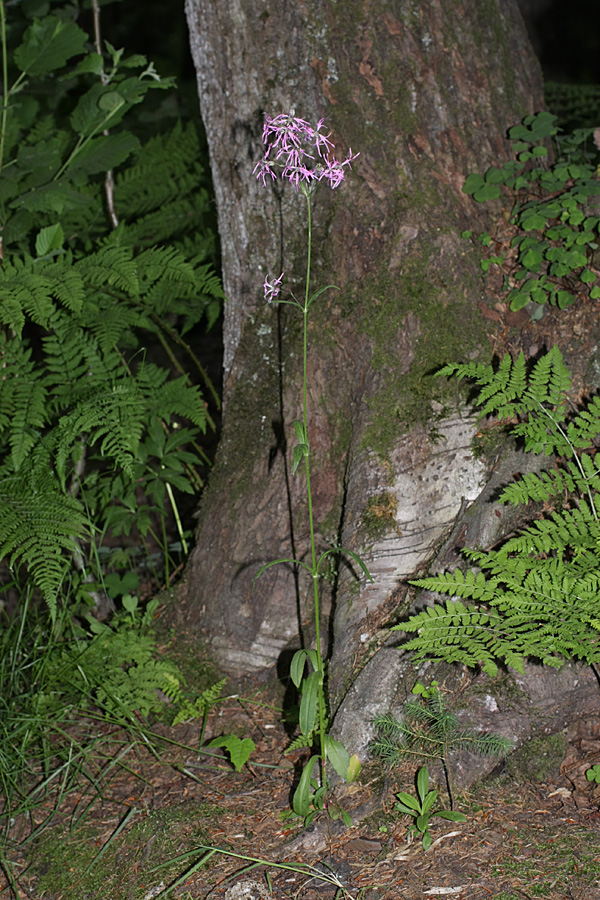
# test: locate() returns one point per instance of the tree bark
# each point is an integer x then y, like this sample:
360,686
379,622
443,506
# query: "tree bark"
425,92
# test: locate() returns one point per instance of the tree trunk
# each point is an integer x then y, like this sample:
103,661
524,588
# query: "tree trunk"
425,92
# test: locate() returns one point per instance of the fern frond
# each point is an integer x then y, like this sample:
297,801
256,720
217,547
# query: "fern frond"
194,709
38,528
110,267
115,419
565,529
22,401
303,740
585,427
458,633
549,382
533,488
175,397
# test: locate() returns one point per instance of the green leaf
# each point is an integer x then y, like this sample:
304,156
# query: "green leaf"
301,799
430,799
239,749
48,44
518,300
300,452
297,667
314,660
422,823
427,839
422,783
110,101
50,238
130,603
473,182
300,432
451,816
357,560
338,756
353,769
494,175
533,258
413,806
309,703
104,152
277,562
487,192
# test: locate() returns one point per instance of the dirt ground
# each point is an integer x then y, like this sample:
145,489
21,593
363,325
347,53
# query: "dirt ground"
139,830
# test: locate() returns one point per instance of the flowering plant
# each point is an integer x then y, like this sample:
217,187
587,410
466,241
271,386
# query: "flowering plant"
303,154
289,141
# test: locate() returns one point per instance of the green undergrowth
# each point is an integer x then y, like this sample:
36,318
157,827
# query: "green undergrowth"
126,866
551,862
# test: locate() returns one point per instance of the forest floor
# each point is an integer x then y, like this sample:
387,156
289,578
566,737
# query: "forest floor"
140,824
140,829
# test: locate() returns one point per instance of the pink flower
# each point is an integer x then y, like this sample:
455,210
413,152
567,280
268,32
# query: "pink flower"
272,290
302,152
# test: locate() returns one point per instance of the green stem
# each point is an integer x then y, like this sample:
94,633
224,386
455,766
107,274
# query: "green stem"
313,549
175,509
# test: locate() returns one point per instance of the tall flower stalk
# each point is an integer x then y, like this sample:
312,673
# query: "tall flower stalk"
302,155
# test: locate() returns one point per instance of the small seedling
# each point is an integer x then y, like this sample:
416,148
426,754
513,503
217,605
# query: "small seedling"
421,808
239,749
593,774
430,730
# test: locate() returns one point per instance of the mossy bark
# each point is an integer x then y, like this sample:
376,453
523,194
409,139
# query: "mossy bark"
425,91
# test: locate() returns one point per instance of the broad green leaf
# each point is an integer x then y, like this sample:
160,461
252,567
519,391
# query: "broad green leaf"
429,801
518,300
309,703
422,823
239,749
473,182
48,44
301,799
494,175
297,667
92,64
451,816
353,769
338,756
409,801
50,238
104,152
130,603
312,655
54,198
487,192
422,783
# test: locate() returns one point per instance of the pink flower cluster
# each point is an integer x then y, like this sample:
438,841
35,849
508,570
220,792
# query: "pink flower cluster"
300,151
272,289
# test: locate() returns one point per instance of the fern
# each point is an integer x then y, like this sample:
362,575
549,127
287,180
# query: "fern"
200,707
536,596
116,666
37,524
86,418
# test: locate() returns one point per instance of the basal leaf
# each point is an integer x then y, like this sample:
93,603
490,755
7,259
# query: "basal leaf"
309,703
